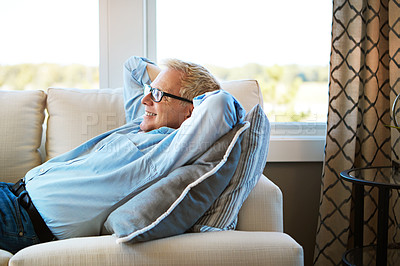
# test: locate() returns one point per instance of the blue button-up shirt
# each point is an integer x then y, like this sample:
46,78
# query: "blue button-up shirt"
73,190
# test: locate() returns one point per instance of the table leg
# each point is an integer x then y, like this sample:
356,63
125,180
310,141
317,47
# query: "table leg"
358,215
358,221
383,218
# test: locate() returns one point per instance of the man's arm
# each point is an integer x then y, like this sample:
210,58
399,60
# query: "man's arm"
153,71
137,72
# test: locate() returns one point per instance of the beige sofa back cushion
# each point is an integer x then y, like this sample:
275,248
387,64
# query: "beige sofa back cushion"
248,92
77,115
21,119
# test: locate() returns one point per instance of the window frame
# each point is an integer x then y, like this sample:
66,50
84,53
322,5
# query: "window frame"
128,27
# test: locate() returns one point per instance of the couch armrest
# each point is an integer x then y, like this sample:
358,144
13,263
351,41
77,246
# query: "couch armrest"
263,209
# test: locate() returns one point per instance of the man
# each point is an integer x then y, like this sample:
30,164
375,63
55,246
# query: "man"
167,127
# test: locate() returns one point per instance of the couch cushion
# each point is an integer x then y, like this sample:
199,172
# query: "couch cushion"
5,256
77,115
21,120
223,214
213,248
263,208
247,92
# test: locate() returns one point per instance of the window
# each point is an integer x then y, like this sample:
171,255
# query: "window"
49,43
119,40
285,45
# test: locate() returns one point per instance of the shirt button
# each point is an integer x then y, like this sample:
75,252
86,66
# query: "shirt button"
42,170
21,233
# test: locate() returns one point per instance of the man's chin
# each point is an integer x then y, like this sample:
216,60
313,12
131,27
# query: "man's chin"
145,127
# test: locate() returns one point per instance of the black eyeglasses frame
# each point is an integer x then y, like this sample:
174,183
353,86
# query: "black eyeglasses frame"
150,90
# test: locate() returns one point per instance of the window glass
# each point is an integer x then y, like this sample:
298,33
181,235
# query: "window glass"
47,43
285,45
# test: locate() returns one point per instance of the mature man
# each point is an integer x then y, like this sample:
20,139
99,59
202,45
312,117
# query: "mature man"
172,116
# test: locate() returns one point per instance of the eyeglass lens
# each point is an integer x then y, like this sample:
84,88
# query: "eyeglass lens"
156,94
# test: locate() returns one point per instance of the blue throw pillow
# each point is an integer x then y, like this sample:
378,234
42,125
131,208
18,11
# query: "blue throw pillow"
173,204
223,214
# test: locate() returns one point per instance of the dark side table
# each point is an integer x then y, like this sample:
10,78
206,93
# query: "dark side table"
384,178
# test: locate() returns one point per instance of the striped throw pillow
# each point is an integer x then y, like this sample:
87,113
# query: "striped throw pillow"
222,215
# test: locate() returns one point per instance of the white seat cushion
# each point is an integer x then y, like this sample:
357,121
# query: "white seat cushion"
5,256
212,248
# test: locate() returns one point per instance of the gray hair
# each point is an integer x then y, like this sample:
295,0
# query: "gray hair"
195,80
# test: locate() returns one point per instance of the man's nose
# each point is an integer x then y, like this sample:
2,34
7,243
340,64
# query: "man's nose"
147,99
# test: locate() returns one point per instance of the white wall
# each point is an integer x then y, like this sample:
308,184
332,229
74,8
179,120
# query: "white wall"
122,34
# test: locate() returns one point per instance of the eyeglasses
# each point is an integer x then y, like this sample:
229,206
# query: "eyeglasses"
157,95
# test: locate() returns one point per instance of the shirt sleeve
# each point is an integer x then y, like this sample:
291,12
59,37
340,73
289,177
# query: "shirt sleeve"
135,76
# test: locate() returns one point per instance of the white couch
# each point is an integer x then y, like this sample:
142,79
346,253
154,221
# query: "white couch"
74,116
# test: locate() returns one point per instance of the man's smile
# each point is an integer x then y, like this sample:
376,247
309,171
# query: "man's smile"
149,114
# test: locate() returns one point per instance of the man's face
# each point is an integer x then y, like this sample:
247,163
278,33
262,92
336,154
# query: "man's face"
168,112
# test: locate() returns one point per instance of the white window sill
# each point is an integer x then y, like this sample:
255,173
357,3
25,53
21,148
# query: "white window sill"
296,149
297,142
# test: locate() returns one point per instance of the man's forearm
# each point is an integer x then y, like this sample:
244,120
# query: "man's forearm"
153,71
135,76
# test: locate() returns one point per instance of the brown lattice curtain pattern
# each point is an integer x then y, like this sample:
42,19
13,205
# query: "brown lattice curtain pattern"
364,81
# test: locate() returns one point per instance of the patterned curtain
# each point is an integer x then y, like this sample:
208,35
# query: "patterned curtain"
364,81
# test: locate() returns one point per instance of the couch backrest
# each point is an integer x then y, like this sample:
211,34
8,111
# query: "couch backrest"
21,120
74,116
78,115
